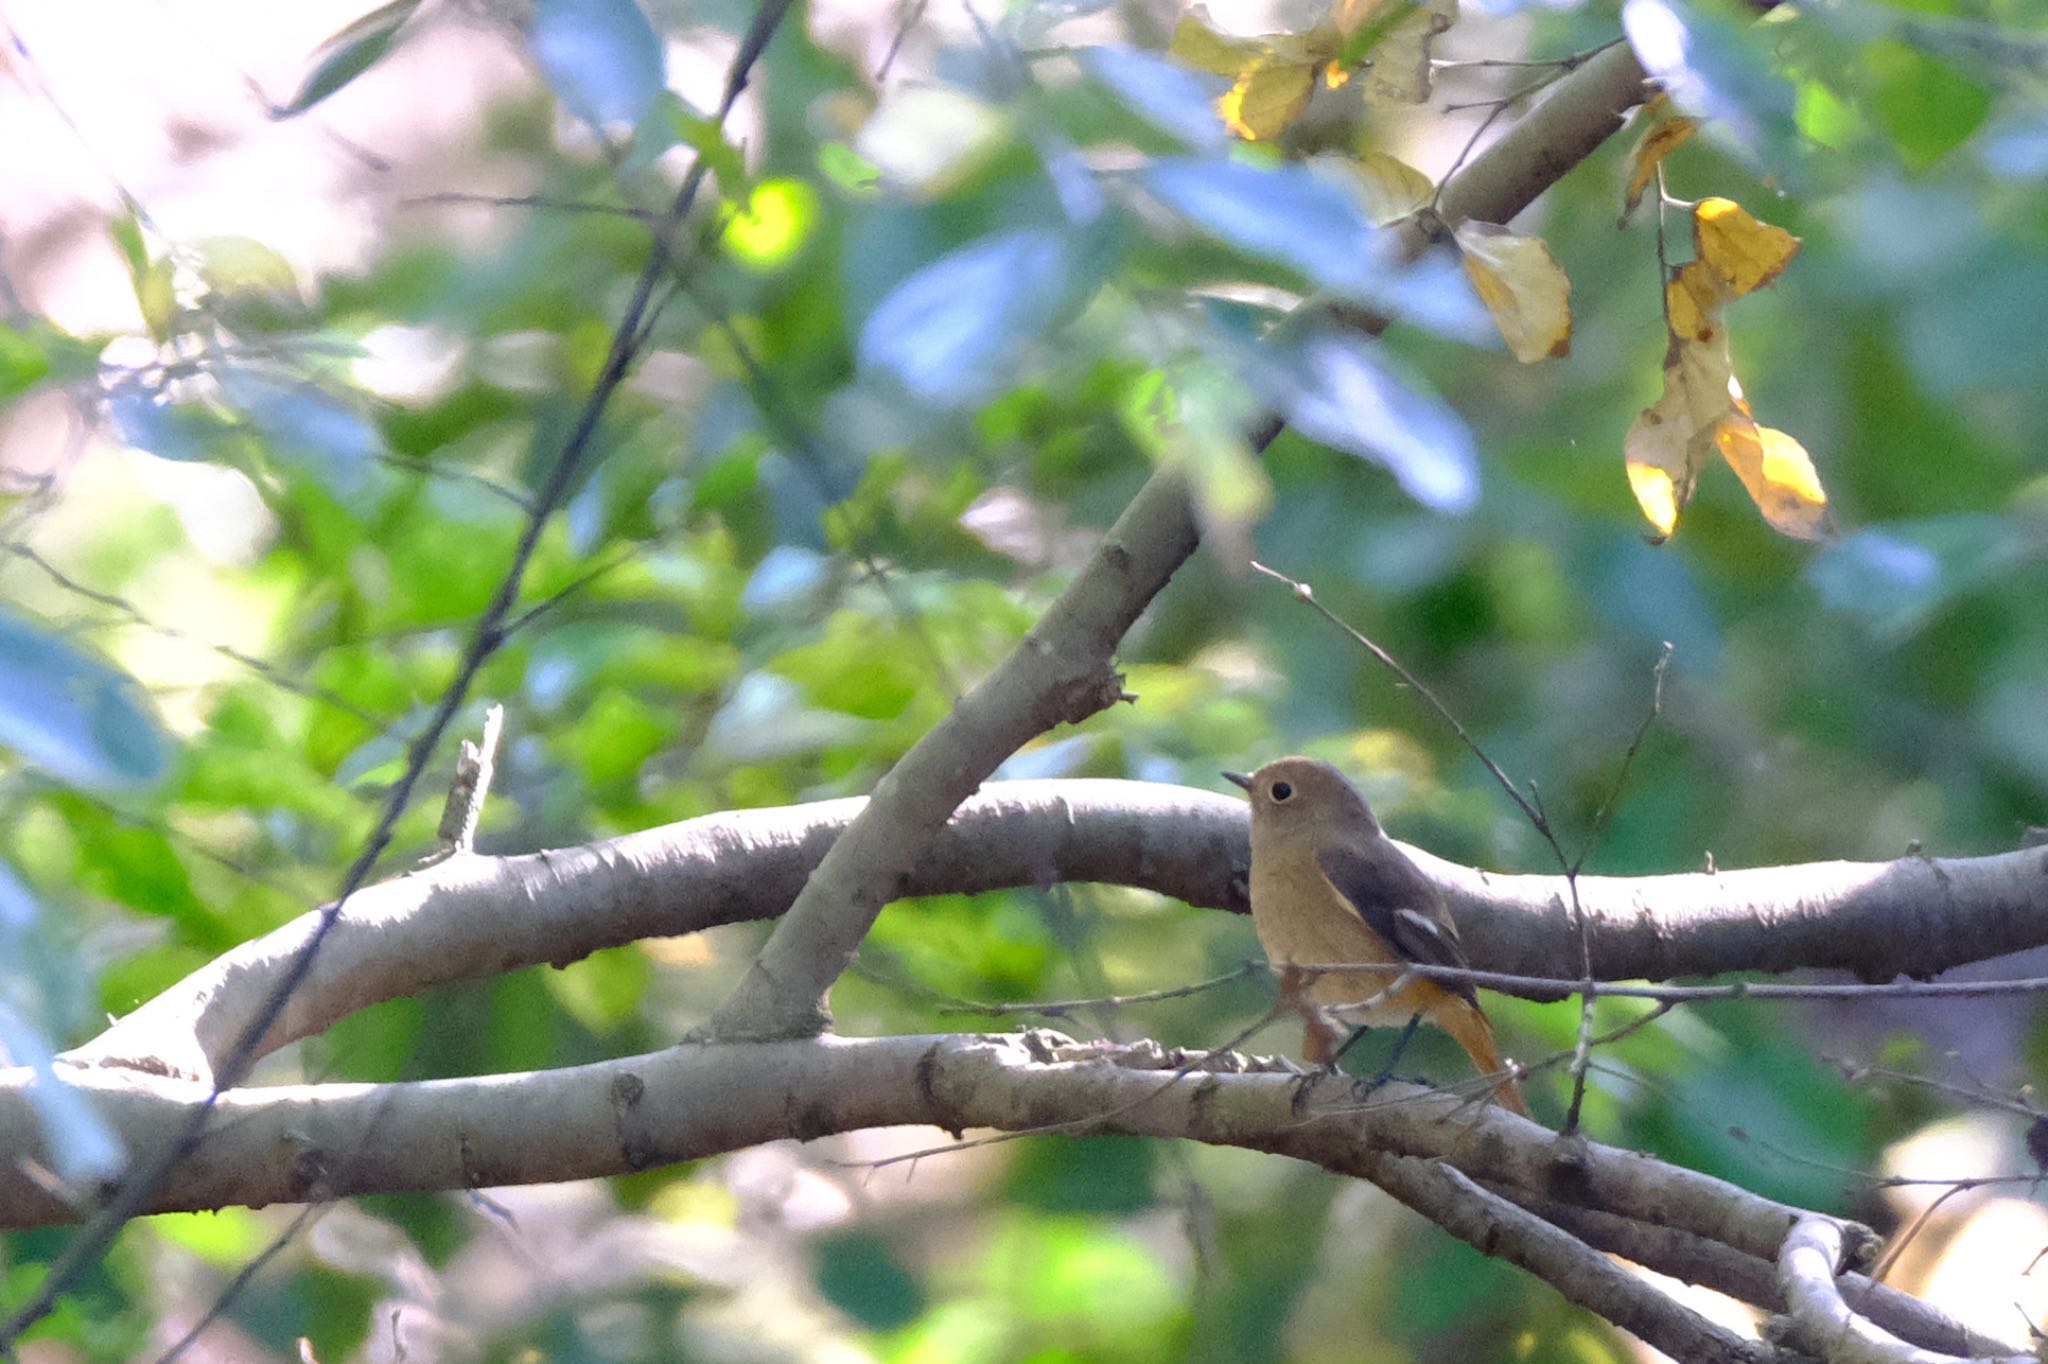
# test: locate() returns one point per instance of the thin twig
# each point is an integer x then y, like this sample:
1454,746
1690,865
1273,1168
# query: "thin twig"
1581,933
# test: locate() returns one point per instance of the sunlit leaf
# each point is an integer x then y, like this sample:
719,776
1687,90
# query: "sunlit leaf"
1523,288
951,331
1664,132
1269,95
349,53
1747,254
1693,299
1179,102
601,58
73,714
1393,188
1656,491
1659,451
1272,76
1669,441
770,227
36,351
248,284
1777,472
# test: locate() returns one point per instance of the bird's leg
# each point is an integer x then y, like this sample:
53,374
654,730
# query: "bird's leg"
1393,1057
1318,1038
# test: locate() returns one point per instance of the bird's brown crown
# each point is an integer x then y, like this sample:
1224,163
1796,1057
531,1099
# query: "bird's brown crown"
1297,790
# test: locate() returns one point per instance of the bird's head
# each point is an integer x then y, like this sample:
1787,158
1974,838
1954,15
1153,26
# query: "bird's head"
1301,793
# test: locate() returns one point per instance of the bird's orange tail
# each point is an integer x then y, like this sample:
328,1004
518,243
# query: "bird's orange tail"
1470,1029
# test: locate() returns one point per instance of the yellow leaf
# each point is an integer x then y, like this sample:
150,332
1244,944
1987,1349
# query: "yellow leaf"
1267,97
1528,295
1777,472
1393,189
1747,254
1661,468
1700,375
1274,75
1693,299
1400,55
1669,440
1656,494
1663,133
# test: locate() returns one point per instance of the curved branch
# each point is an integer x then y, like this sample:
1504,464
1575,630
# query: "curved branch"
313,1142
480,916
1819,1320
1060,672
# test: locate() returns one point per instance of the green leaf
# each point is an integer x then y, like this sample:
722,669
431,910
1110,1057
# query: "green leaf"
601,57
349,53
251,285
953,331
22,362
846,672
77,716
1927,106
39,351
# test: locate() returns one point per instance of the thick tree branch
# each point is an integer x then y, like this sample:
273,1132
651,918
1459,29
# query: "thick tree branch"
300,1143
481,916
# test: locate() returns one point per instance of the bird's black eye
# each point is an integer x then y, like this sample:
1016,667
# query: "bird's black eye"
1282,790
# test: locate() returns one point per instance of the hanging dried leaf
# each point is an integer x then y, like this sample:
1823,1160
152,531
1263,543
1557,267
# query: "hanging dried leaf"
1693,299
1671,439
1523,288
1663,133
1661,467
1393,189
1777,472
1744,252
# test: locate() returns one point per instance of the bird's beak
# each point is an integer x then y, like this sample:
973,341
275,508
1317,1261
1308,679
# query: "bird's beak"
1240,778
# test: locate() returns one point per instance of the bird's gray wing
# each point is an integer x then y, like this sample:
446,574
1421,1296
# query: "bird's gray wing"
1399,903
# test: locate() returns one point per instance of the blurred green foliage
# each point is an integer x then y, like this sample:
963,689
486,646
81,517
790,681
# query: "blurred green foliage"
945,334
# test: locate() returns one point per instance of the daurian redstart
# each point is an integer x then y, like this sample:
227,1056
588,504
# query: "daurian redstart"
1329,888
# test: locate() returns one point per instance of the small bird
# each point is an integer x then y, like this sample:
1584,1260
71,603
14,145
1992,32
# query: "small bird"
1329,887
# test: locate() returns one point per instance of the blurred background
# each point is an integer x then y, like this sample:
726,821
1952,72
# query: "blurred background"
301,303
